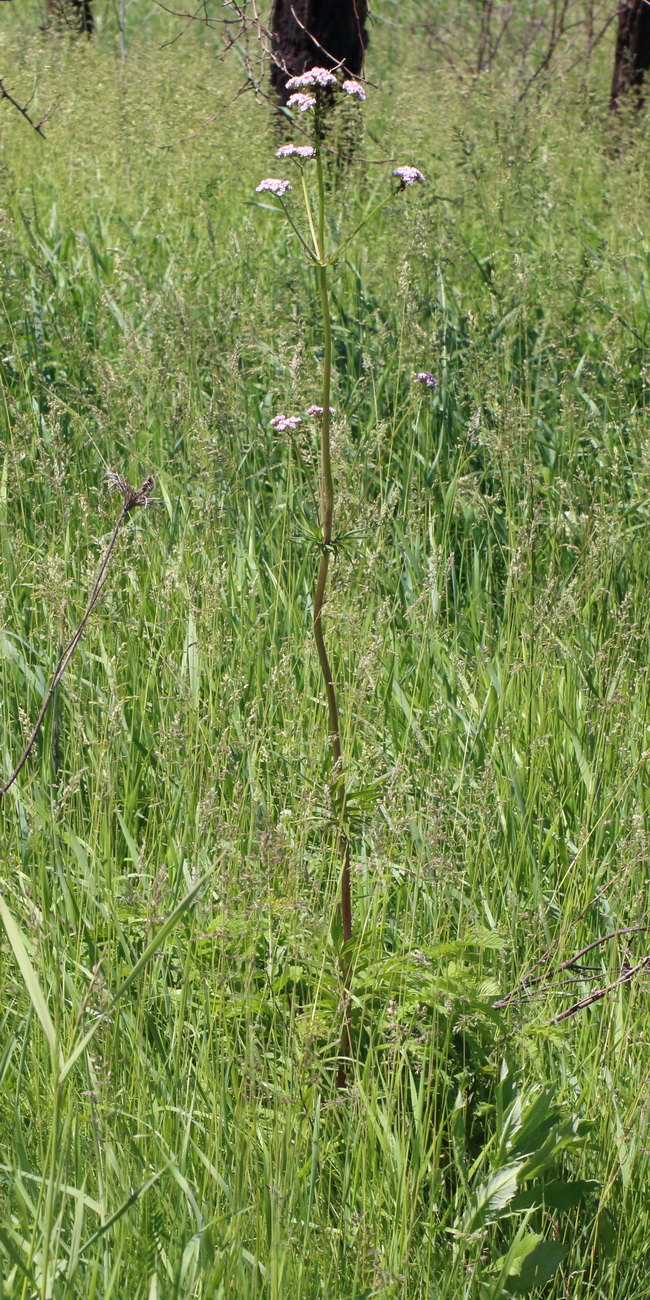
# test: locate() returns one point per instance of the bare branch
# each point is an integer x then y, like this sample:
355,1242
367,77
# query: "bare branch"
37,126
527,986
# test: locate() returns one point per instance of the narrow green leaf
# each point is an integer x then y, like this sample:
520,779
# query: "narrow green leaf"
16,1258
31,979
148,953
126,1205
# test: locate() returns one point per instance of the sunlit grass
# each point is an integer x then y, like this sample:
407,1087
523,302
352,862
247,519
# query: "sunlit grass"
490,621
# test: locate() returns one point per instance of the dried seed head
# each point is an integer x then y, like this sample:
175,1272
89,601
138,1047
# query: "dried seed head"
132,496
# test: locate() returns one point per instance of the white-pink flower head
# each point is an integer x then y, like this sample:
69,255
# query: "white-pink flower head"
274,186
354,88
296,151
318,410
301,102
284,422
408,175
313,77
425,377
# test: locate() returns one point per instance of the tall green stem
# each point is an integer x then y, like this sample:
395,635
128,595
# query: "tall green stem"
327,520
49,1200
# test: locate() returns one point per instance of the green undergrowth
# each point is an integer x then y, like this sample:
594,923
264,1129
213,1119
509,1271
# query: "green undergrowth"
489,621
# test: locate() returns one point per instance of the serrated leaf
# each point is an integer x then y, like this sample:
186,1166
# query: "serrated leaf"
491,1197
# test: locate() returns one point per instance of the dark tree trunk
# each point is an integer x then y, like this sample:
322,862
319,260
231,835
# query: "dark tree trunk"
632,57
317,34
73,13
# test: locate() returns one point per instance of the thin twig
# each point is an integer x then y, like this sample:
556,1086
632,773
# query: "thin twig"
527,985
132,497
37,126
601,993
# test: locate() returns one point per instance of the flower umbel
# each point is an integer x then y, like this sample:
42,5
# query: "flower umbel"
408,175
274,186
284,422
318,410
354,88
425,377
301,102
296,151
313,77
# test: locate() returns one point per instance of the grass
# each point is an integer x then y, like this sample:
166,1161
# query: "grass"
489,624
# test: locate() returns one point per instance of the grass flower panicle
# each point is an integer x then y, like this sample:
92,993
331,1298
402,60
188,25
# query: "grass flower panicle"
301,102
408,175
296,151
284,422
354,88
274,186
425,377
314,77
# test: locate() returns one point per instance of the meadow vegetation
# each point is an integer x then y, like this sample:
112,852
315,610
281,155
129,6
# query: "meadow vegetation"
170,839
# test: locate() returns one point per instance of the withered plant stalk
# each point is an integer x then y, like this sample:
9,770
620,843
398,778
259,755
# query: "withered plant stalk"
131,497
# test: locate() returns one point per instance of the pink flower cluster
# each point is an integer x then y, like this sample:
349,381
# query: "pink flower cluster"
408,175
284,422
318,79
354,88
301,102
425,377
274,186
296,151
313,77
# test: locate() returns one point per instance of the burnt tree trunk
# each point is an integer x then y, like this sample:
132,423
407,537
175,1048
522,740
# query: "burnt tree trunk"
632,57
317,34
72,13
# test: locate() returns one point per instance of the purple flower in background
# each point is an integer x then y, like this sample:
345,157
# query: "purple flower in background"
296,151
301,102
354,88
313,77
408,175
425,377
274,186
318,410
284,422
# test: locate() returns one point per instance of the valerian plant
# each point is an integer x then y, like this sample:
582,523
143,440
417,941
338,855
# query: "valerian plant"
314,94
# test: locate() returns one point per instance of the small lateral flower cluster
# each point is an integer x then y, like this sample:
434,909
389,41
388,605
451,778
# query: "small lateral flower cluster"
274,186
284,422
301,102
354,88
408,175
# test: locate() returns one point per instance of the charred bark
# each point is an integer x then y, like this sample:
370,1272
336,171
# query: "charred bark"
317,33
77,14
632,57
